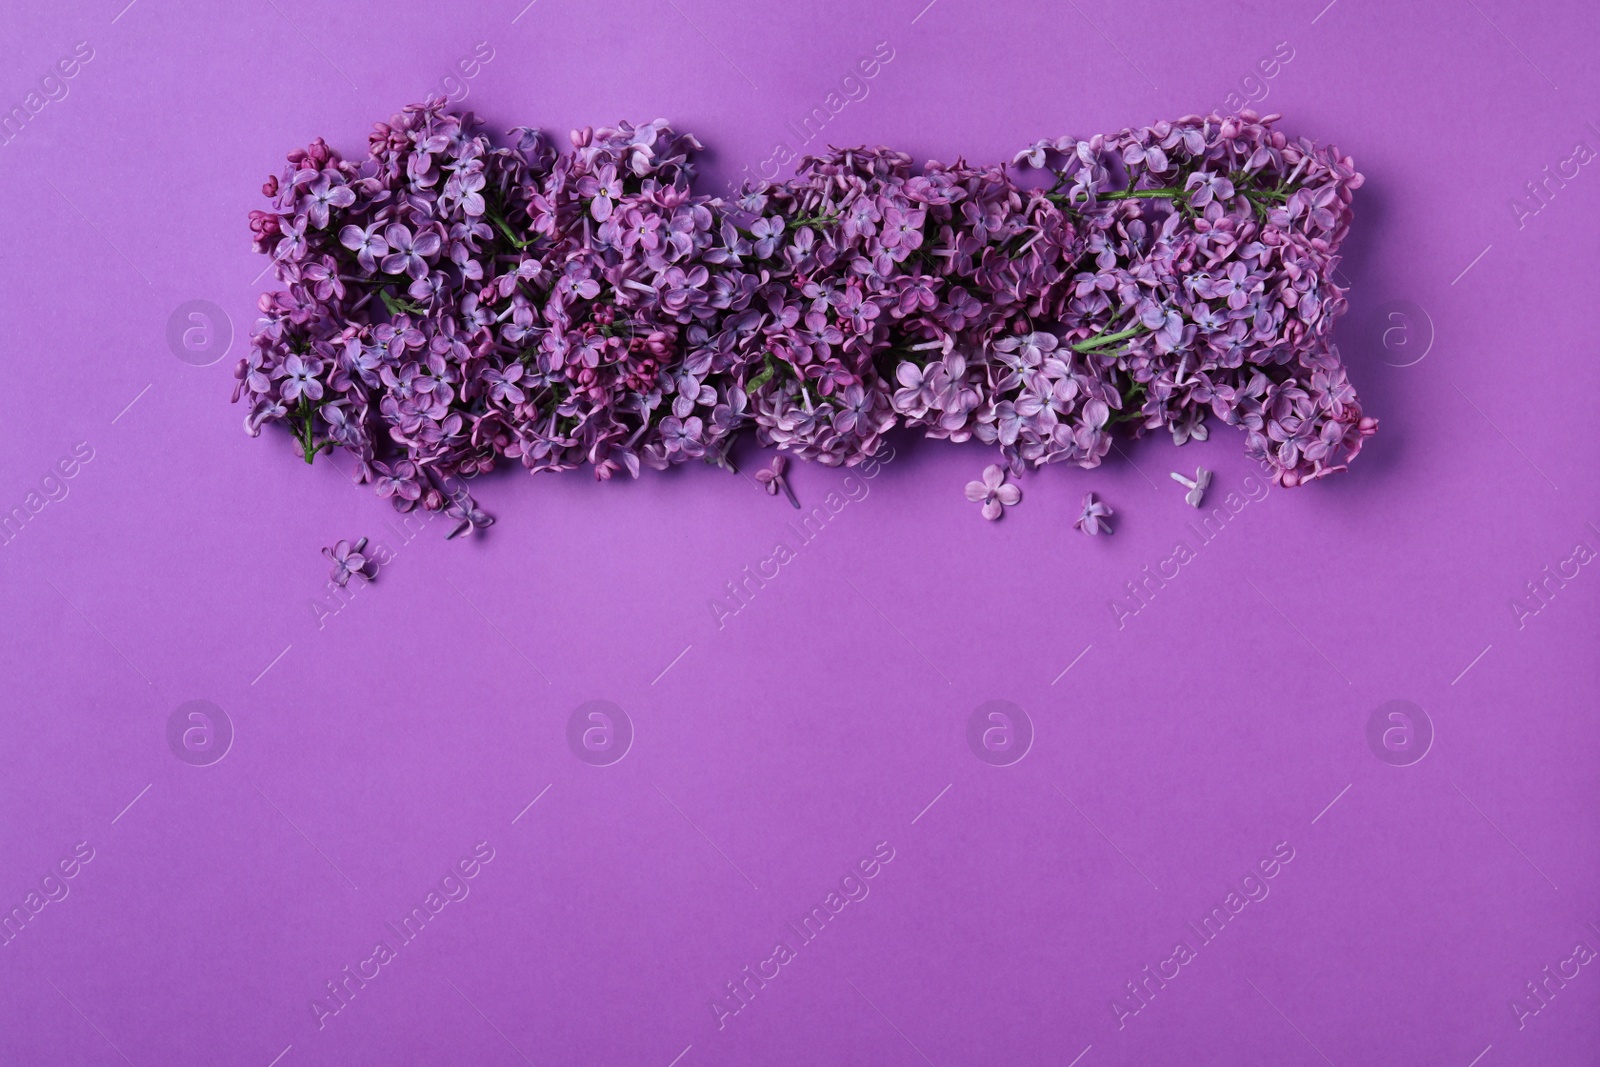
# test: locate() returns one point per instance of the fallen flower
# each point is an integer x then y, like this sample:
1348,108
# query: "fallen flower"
472,518
1093,520
774,480
993,492
348,560
1197,488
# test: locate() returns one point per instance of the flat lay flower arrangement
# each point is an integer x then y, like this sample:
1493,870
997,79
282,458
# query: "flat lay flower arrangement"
448,301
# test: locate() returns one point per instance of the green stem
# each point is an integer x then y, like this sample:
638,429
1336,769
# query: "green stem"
305,430
505,228
1172,193
1168,193
1101,340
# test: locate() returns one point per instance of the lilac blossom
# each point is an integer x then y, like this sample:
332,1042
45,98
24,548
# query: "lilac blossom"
448,302
1092,521
300,379
993,492
772,479
348,560
322,198
368,244
407,253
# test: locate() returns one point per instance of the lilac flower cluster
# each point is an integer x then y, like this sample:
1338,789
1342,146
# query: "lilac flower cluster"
448,301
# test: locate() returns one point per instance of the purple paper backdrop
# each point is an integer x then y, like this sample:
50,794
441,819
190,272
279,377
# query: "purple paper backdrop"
1441,899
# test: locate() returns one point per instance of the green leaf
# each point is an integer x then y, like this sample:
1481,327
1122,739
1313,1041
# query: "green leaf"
763,376
396,305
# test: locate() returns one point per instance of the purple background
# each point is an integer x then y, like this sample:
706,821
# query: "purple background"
376,749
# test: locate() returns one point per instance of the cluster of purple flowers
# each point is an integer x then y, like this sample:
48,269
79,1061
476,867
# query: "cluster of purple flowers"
447,301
